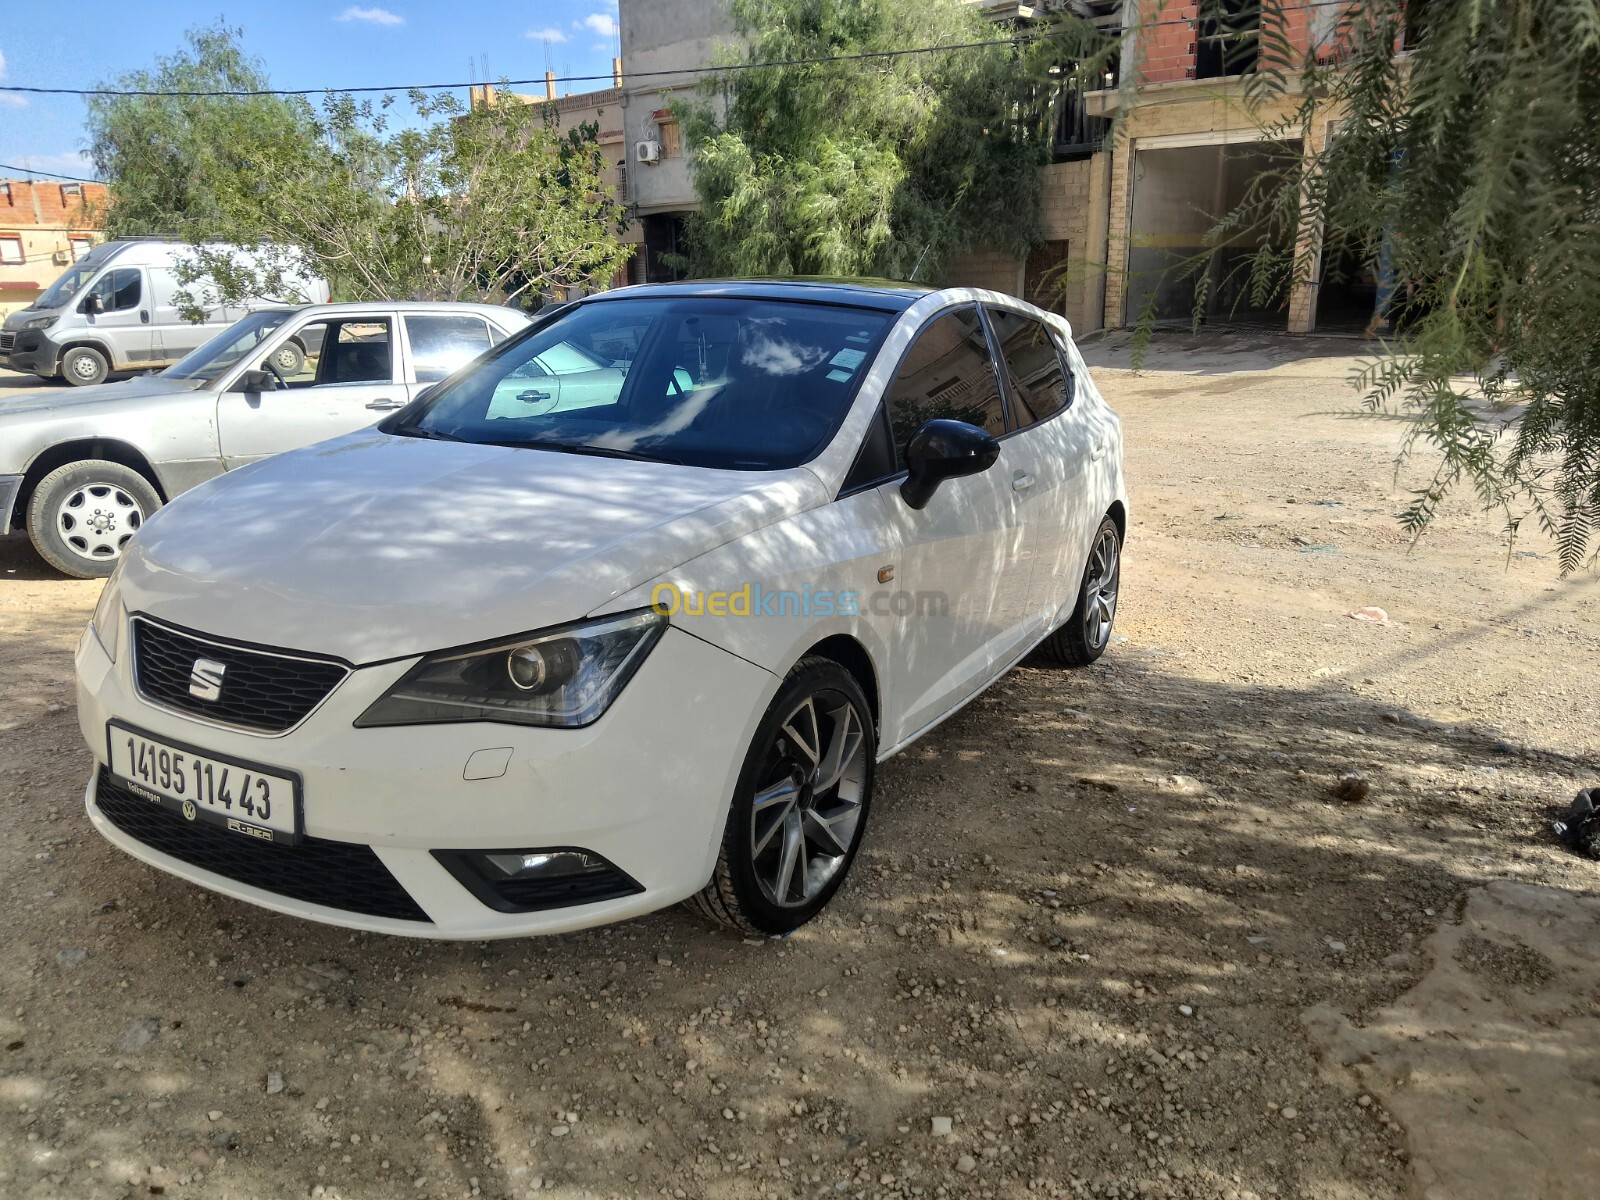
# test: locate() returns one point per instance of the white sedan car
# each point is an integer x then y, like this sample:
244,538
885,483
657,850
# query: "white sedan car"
512,664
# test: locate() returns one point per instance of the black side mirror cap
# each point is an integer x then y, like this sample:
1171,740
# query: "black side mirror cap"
258,381
944,449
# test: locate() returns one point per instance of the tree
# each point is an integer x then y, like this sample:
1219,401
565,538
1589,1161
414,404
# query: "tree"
882,167
183,166
491,204
1465,175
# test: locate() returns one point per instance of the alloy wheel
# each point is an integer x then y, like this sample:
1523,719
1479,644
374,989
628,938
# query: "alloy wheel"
808,803
96,520
1100,588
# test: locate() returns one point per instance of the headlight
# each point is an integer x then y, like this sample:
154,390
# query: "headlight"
106,624
567,676
41,322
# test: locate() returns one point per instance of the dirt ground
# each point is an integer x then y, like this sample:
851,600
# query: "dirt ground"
1098,919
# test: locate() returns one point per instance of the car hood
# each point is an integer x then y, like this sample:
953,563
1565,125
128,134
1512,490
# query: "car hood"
72,399
372,547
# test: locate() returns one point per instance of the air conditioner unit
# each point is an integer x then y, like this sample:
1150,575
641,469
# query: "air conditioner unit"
61,257
647,152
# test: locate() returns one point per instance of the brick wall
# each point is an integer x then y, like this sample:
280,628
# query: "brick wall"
1166,52
42,219
35,203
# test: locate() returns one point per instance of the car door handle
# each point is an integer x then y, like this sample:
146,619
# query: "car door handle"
385,405
1021,481
532,397
144,317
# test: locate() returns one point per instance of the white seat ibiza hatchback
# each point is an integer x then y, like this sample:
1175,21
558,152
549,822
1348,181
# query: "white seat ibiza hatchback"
622,614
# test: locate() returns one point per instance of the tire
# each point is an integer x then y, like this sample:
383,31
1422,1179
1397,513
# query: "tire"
83,366
756,888
81,515
1087,632
289,358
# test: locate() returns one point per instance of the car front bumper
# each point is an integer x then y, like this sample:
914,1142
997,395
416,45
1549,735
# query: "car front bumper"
32,351
647,787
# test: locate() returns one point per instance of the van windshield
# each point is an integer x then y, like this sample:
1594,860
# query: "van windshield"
223,352
66,287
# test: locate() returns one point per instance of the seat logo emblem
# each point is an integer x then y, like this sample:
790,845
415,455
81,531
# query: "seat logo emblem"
188,810
205,679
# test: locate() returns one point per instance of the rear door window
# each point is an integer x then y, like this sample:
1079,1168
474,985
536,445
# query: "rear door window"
442,343
1040,382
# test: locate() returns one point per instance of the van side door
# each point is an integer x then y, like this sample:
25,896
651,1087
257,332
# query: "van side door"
172,335
122,324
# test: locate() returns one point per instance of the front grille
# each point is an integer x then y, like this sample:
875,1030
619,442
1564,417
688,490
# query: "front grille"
339,875
8,342
262,691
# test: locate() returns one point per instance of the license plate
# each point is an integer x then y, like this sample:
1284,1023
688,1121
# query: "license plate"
241,797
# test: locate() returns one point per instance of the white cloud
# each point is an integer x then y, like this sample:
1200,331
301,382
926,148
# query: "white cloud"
547,35
373,16
10,99
602,23
72,162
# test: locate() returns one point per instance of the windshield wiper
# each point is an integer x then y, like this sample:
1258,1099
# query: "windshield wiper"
432,435
593,451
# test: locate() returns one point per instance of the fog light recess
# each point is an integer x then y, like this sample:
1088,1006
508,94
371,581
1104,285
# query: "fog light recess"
514,881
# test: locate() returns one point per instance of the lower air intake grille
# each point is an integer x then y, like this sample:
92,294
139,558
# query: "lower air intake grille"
8,342
340,875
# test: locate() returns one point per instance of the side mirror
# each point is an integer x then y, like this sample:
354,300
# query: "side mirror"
944,449
258,381
93,305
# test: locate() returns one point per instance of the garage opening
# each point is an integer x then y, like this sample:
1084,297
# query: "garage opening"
1180,193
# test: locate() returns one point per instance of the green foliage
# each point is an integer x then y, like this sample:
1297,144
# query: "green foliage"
1466,169
431,203
882,167
182,166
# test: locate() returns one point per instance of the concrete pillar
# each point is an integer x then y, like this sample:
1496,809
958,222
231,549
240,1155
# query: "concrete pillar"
1118,207
1307,276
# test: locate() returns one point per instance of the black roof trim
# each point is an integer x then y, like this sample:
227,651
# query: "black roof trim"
884,294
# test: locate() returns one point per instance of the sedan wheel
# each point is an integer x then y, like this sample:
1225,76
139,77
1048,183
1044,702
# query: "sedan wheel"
1087,632
801,806
82,515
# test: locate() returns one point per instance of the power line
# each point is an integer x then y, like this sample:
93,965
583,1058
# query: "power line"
49,174
245,93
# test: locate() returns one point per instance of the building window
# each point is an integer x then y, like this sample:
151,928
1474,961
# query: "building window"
671,140
71,191
10,249
80,247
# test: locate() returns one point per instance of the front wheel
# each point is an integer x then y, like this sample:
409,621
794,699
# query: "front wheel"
84,365
82,515
1087,632
800,807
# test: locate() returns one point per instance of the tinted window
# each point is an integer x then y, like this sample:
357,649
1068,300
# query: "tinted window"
733,383
947,373
119,289
352,352
441,344
1040,383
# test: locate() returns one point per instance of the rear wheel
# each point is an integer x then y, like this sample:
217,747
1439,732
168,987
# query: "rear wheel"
800,807
1087,632
82,515
84,365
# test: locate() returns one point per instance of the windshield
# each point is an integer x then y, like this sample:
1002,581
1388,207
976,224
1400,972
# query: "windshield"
67,285
747,385
223,352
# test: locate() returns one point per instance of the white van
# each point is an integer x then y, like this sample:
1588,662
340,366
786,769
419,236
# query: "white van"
118,309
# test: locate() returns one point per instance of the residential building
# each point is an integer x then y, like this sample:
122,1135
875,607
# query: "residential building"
662,42
43,230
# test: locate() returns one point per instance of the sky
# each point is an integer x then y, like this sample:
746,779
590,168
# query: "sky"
303,43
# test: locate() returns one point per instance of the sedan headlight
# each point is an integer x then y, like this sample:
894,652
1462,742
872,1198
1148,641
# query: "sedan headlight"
106,624
567,677
41,322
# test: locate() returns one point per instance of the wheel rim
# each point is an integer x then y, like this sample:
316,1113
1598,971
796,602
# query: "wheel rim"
287,359
807,805
1100,589
96,521
84,367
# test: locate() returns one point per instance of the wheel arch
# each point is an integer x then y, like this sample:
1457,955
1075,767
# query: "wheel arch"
854,658
80,450
80,342
1119,514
